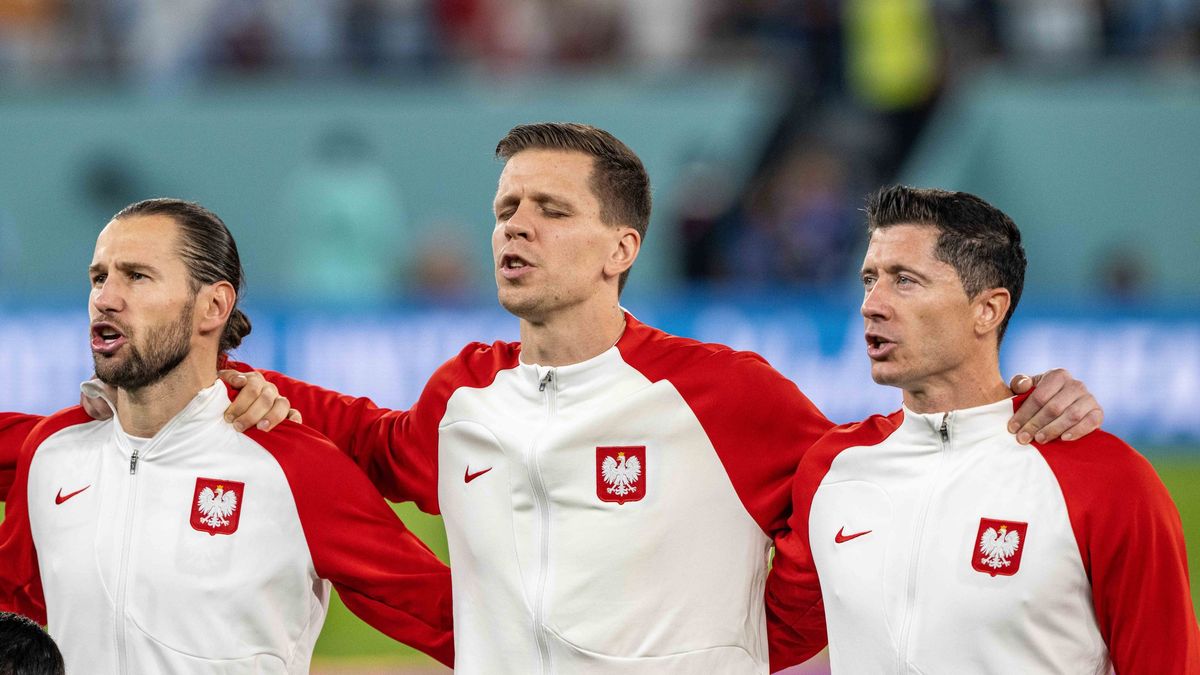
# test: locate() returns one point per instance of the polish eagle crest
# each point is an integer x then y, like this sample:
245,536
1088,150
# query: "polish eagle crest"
997,546
216,505
621,473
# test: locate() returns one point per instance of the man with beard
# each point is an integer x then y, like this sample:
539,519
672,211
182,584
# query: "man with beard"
609,491
161,540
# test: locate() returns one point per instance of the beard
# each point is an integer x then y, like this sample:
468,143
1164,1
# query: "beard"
166,346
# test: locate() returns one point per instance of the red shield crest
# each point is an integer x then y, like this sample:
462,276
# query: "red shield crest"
998,546
217,505
621,473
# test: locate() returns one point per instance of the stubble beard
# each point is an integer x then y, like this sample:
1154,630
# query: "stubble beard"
167,346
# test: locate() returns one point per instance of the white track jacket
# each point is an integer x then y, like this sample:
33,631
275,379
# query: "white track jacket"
944,546
612,516
207,551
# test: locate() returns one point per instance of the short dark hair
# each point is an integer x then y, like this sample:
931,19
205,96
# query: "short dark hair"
618,179
26,649
208,250
977,239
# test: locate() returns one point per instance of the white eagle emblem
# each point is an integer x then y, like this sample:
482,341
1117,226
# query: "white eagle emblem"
998,547
217,506
621,473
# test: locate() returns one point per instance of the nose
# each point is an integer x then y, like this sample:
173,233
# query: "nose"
875,303
518,225
107,297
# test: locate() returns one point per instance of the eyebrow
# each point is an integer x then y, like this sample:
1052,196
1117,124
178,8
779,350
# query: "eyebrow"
125,267
538,198
896,269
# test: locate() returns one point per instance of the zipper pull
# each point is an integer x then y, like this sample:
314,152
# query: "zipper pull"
944,430
546,380
133,462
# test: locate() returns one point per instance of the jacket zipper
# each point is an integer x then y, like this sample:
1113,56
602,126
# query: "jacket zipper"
550,397
122,658
915,553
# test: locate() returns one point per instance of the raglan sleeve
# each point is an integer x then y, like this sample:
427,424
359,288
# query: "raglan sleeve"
761,426
796,629
14,429
396,448
20,578
383,573
1131,541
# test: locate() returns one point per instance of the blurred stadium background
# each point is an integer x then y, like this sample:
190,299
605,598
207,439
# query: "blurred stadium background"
348,143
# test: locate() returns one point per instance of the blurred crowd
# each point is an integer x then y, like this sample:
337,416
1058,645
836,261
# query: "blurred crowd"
863,74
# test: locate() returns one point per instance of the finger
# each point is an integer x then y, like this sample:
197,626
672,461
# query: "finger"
256,413
1091,422
1049,385
1038,410
295,416
1028,409
277,413
1021,384
233,378
254,389
1055,428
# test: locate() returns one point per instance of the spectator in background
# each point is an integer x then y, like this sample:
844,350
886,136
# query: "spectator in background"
26,649
346,227
797,227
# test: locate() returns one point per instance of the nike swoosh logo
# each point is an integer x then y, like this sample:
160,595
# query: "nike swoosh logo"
840,538
60,498
468,476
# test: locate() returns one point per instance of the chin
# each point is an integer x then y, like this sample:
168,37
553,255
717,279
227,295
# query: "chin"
887,374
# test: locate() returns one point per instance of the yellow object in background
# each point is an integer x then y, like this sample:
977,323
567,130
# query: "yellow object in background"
892,60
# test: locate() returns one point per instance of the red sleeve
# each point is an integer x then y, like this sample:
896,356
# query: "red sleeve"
1131,542
383,572
757,420
795,612
20,579
14,429
398,449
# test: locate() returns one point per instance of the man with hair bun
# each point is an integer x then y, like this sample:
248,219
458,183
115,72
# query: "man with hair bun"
161,540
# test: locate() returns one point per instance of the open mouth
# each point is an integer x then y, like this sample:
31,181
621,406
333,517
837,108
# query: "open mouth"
107,338
878,346
513,266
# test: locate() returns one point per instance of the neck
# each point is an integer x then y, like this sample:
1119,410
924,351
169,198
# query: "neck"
566,339
957,389
144,412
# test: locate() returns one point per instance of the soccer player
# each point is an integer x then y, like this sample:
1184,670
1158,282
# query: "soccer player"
26,649
610,492
162,540
942,544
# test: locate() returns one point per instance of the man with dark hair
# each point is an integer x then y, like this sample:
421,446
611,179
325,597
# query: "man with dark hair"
162,540
941,544
609,491
26,649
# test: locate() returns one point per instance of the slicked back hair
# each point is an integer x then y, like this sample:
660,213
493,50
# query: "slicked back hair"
618,178
208,251
977,239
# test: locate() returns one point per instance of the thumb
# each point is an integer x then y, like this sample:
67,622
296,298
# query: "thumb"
1021,384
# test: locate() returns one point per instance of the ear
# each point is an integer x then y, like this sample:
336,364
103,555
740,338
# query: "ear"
991,306
624,253
214,304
